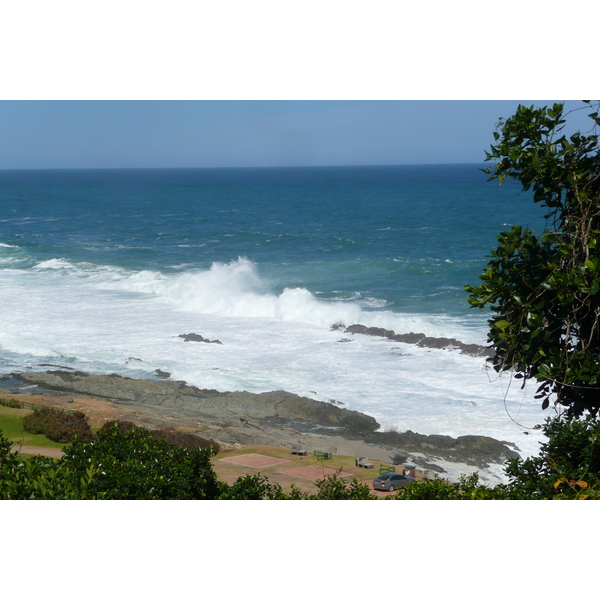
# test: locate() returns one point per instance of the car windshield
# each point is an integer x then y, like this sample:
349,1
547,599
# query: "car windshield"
384,476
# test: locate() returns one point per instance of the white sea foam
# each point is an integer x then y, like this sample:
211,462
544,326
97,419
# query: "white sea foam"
236,290
56,264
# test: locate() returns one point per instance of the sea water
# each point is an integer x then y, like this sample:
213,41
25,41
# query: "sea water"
102,270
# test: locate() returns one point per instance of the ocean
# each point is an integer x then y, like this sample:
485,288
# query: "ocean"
103,270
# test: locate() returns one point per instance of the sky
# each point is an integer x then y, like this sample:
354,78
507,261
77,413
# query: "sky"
63,134
126,84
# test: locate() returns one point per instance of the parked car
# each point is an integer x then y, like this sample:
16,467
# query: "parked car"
391,481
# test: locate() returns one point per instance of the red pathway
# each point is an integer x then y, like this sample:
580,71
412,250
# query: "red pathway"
254,460
315,472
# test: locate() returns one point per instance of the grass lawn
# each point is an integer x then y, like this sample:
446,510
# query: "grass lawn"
11,424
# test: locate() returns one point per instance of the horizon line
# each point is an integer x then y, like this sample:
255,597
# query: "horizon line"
238,167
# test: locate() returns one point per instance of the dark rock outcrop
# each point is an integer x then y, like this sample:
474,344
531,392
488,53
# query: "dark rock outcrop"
420,339
409,338
364,330
439,343
476,450
195,337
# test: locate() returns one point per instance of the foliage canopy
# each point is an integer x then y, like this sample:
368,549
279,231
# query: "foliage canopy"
545,290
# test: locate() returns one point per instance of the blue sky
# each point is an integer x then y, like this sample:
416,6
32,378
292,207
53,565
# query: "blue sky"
205,133
266,83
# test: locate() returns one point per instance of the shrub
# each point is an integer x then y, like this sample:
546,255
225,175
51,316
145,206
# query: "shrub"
568,465
183,440
468,488
10,403
335,488
134,465
253,487
123,426
57,425
171,436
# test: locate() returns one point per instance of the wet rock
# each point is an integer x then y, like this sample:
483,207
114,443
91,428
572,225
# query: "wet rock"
356,329
420,339
162,374
435,342
375,331
476,450
409,338
477,350
400,459
195,337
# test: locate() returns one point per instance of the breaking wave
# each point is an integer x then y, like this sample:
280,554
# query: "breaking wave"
236,289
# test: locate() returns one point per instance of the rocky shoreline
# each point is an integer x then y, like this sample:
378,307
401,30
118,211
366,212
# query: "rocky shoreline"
277,417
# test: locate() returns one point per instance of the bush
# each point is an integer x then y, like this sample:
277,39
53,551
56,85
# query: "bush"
253,487
568,465
122,426
183,440
171,436
124,466
10,403
335,488
133,465
468,488
57,425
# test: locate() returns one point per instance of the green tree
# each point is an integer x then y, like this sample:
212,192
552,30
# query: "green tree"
544,290
567,467
132,464
42,478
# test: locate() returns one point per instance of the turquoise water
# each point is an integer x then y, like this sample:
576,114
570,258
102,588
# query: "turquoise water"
408,236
